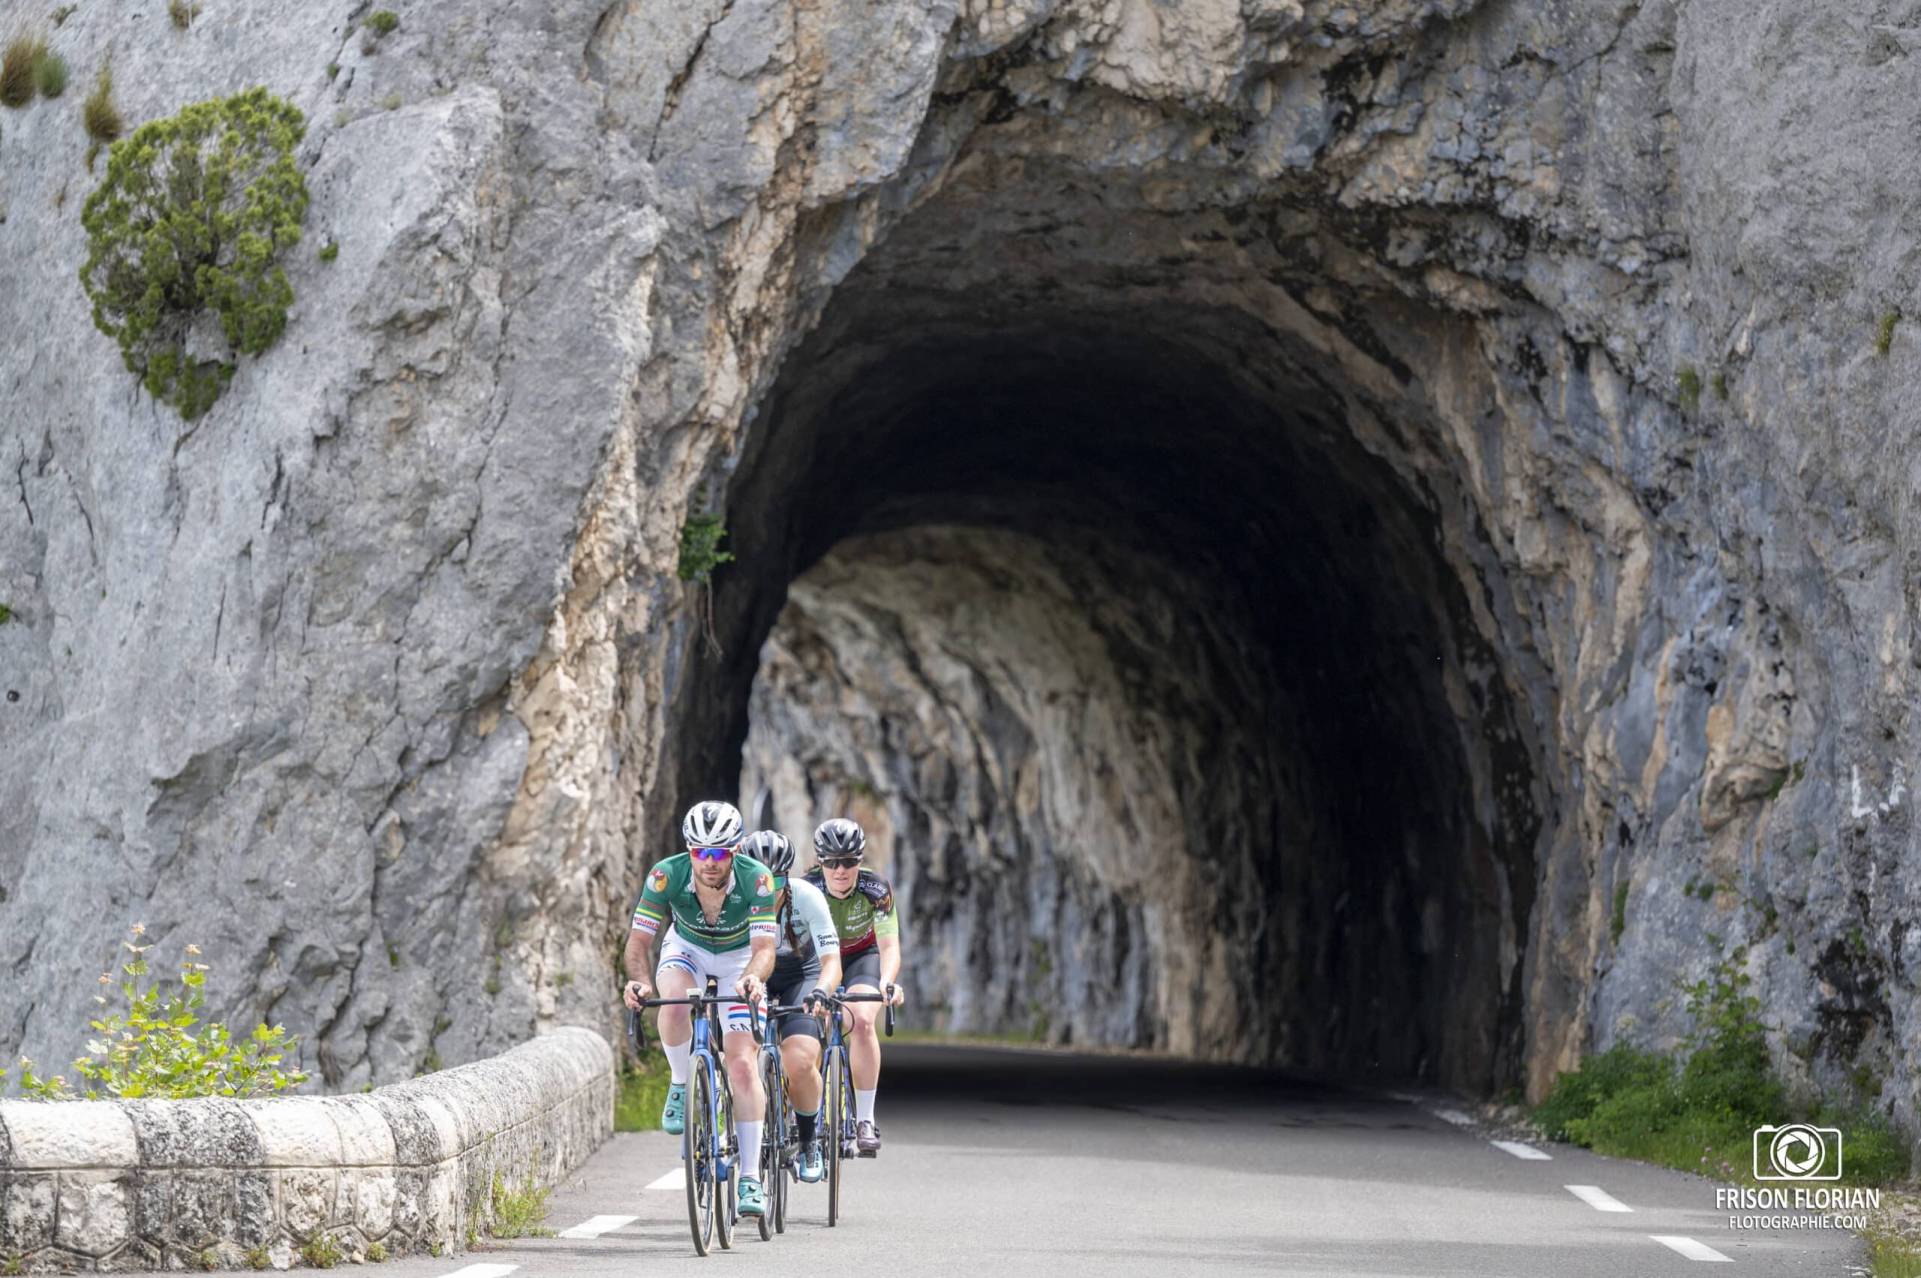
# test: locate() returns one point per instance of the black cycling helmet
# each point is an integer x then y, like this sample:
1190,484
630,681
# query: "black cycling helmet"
771,849
840,837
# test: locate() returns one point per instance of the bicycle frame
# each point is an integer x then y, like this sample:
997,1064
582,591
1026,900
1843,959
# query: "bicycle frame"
712,1167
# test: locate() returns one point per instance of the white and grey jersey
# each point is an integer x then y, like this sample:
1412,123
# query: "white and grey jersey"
806,928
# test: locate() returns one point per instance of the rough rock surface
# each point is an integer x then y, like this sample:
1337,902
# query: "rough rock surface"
377,681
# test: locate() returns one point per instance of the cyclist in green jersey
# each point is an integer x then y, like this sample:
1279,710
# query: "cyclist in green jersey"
862,904
722,905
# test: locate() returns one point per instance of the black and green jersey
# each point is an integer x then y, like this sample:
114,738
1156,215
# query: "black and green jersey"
747,912
863,914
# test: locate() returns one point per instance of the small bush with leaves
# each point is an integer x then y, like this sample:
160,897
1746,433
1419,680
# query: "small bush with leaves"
18,66
99,114
188,228
382,21
50,74
156,1047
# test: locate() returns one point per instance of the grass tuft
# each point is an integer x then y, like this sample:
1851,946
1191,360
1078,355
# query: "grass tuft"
382,21
377,1252
50,75
1884,333
99,114
183,12
322,1251
18,68
328,254
1688,386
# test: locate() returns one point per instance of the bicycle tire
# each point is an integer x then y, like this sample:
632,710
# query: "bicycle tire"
695,1152
833,1118
727,1188
785,1168
767,1166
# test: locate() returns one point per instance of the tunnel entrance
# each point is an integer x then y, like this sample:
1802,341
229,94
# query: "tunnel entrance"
1138,624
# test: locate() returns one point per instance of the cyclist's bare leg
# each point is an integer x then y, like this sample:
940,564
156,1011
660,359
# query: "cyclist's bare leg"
863,1043
676,1023
800,1057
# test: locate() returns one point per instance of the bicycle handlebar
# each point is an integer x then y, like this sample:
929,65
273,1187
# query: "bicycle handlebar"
844,998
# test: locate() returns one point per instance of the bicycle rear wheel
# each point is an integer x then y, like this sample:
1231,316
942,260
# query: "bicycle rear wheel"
696,1152
833,1118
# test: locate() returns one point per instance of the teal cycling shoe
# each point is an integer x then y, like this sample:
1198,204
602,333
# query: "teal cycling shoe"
673,1115
811,1168
751,1202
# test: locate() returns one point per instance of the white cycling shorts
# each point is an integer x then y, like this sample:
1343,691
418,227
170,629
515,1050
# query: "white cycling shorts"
725,968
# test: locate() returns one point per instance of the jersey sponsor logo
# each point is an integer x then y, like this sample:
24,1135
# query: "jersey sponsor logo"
659,880
764,884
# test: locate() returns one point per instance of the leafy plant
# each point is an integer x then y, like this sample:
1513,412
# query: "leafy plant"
98,113
700,551
153,1049
50,75
377,1252
6,614
382,21
183,12
518,1213
322,1251
257,1258
330,252
333,69
1884,333
23,54
189,223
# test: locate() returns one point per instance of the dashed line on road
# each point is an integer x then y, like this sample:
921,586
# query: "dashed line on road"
1595,1197
675,1179
595,1226
483,1271
1688,1247
1519,1150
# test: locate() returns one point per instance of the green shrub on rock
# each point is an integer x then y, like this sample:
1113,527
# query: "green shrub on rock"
186,230
17,68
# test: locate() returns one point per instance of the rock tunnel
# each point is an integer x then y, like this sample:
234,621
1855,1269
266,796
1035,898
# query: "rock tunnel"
1108,562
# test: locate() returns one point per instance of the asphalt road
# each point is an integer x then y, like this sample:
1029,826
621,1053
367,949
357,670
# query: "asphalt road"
1004,1162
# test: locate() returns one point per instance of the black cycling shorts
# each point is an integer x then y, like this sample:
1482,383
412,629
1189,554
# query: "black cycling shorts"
790,983
862,969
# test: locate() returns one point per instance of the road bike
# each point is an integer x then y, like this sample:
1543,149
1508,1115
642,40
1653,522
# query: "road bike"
837,1091
709,1148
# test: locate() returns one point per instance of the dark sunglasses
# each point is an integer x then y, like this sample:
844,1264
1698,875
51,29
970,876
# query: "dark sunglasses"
840,862
711,854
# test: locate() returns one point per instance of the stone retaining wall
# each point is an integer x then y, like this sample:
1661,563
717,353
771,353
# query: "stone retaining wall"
125,1185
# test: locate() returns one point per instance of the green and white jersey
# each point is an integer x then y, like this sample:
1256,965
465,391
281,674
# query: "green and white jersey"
747,913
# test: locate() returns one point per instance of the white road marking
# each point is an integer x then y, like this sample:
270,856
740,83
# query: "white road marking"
483,1271
1593,1195
1519,1150
1688,1247
1454,1116
675,1179
595,1226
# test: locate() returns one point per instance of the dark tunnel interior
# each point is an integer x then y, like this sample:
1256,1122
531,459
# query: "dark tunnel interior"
1374,895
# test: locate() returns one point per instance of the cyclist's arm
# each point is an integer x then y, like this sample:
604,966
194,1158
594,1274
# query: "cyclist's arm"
650,913
887,933
763,937
819,922
829,972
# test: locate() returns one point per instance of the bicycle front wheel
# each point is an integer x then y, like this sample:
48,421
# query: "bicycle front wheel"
697,1145
833,1121
726,1188
768,1165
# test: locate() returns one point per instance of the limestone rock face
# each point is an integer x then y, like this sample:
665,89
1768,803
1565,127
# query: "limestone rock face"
1530,358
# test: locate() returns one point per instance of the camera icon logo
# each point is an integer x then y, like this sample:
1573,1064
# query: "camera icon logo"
1797,1151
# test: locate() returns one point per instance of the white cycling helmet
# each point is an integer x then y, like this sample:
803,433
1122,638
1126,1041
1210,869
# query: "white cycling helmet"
712,825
